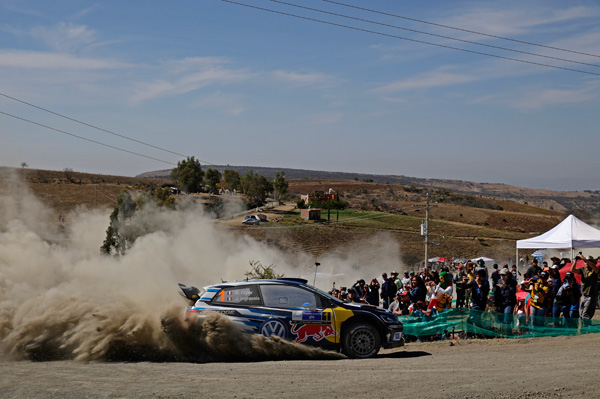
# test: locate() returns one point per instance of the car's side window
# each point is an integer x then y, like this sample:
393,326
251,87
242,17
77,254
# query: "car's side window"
285,296
244,295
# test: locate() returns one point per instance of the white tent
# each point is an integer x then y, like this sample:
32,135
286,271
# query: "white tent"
483,258
570,233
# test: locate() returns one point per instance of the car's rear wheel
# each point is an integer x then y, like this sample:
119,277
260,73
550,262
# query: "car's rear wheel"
361,340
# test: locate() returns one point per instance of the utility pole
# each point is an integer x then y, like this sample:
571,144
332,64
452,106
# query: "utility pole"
425,232
95,196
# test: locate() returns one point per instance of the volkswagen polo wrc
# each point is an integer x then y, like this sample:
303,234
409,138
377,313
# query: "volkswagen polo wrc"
293,310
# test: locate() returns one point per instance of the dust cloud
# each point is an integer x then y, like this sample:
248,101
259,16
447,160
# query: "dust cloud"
60,298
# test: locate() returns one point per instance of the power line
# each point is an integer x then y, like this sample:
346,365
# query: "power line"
88,125
411,40
436,35
461,29
86,139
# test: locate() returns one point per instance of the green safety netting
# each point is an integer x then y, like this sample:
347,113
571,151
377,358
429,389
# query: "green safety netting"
491,324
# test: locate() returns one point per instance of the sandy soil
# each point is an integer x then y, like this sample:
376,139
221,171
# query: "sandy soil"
556,367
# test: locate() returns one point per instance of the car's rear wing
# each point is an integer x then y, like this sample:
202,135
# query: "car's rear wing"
190,292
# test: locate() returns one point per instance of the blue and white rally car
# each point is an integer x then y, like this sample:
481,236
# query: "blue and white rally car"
292,309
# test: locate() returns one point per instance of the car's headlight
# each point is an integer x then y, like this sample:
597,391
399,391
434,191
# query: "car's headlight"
388,318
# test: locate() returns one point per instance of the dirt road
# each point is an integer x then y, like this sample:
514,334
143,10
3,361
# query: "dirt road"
557,367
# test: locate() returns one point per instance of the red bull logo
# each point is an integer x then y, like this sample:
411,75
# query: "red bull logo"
314,331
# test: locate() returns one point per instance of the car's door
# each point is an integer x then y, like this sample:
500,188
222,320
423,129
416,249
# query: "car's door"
307,321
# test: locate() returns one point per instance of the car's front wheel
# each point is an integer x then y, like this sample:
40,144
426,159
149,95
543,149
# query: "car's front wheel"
361,340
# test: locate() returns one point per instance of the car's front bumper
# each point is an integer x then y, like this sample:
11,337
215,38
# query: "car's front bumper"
394,338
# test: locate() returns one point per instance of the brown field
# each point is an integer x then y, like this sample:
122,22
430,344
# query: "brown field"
462,231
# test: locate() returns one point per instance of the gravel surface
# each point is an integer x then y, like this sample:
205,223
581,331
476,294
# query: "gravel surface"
554,367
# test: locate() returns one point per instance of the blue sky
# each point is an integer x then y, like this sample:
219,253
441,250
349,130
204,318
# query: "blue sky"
234,85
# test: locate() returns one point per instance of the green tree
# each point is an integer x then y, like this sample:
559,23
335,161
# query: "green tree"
164,198
260,272
118,240
337,203
231,180
280,184
188,175
213,179
256,188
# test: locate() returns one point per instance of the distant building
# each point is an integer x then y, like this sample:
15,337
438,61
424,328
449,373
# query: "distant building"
322,195
310,214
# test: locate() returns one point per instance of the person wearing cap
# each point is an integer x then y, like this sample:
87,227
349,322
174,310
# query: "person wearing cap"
540,294
399,306
505,297
397,281
589,287
567,298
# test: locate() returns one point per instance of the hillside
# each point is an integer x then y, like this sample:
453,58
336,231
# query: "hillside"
463,225
586,204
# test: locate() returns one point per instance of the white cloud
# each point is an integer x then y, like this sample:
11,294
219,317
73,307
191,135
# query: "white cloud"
187,75
303,79
230,104
535,99
65,37
512,21
438,78
50,60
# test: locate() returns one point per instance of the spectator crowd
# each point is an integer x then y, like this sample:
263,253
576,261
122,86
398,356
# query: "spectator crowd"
540,299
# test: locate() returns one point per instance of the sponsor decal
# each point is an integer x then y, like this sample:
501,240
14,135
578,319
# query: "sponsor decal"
228,312
273,327
314,331
311,316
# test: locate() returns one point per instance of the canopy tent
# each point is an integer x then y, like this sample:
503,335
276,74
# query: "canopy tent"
439,259
570,233
483,258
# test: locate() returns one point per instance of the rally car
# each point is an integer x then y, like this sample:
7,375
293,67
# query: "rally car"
293,310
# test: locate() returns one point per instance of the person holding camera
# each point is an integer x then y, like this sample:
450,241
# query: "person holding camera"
589,287
567,299
372,295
